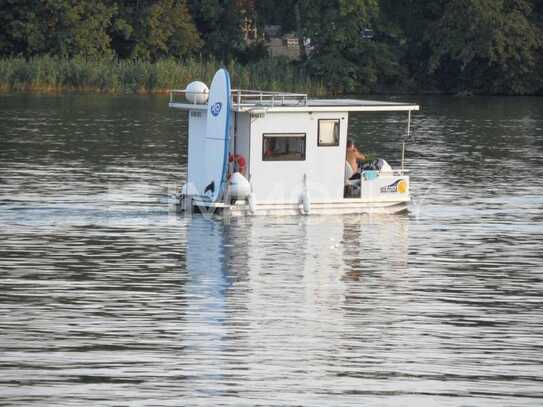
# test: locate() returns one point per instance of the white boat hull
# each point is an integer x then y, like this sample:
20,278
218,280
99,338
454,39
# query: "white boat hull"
349,206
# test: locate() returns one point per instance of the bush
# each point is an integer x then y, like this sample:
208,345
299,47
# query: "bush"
22,75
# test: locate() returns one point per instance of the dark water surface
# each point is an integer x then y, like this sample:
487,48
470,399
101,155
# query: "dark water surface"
109,298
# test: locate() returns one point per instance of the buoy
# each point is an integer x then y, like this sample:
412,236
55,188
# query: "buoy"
306,200
197,92
240,188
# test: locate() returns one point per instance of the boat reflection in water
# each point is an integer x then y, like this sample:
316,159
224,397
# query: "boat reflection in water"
270,298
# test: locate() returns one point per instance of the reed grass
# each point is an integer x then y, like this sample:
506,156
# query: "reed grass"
112,76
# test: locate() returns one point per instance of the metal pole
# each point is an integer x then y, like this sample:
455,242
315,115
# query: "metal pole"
408,123
407,138
403,156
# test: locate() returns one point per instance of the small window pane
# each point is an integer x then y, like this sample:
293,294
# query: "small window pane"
329,132
283,147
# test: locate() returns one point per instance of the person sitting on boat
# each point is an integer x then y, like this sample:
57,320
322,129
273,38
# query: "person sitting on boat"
354,165
354,155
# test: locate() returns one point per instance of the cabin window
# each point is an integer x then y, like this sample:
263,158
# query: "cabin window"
328,132
283,147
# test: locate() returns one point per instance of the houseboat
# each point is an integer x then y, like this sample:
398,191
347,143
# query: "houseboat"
275,153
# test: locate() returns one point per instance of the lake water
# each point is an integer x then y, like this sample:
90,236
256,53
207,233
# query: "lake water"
110,298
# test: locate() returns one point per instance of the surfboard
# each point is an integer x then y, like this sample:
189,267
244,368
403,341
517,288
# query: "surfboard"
217,136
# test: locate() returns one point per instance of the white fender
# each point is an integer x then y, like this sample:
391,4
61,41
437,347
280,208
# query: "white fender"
251,200
239,186
306,199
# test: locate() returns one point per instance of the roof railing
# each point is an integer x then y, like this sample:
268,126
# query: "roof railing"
243,98
183,93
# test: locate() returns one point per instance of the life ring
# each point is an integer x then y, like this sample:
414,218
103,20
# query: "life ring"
238,162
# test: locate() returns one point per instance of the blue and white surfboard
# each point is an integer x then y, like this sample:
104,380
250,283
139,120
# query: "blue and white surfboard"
217,137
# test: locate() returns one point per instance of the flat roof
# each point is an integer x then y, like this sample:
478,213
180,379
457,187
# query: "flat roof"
353,102
277,102
350,105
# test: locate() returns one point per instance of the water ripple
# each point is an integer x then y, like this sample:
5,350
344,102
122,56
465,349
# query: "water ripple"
110,298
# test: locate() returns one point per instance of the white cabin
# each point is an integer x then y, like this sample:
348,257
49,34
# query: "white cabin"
294,150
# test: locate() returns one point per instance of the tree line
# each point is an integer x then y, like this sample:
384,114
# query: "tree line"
452,46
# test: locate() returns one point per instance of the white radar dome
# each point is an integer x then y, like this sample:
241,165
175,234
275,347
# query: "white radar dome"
197,92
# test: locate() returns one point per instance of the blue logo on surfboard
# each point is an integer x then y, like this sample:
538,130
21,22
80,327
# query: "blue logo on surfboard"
216,108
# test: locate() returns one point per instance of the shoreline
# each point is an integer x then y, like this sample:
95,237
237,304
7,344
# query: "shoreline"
56,76
51,91
115,77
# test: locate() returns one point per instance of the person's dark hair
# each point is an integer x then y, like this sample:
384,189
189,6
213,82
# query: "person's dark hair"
350,143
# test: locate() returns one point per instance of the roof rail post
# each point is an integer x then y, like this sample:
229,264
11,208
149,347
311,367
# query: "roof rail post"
407,138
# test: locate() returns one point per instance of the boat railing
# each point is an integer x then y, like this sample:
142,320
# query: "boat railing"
175,94
243,98
246,99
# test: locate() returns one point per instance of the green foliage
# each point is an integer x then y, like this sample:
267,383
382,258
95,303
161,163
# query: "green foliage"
488,46
219,22
22,75
57,27
457,46
472,46
277,12
68,28
151,30
342,56
132,76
